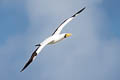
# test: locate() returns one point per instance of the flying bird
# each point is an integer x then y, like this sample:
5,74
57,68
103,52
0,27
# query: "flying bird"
54,38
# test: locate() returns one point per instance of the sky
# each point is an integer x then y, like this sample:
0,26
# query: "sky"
91,53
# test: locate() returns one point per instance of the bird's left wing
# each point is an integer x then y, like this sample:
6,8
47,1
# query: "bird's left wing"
59,29
36,52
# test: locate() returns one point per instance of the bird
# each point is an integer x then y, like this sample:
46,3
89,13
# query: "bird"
54,38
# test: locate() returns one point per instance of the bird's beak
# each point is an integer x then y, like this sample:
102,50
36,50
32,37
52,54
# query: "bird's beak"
68,35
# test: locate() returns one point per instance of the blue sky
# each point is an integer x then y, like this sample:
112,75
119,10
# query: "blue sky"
91,53
112,13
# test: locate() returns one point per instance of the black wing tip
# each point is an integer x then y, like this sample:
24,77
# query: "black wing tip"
79,11
30,60
24,67
22,70
84,7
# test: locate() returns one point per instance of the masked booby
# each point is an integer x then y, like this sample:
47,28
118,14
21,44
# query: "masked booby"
54,38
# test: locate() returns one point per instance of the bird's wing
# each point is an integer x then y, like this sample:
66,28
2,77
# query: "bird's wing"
36,52
59,29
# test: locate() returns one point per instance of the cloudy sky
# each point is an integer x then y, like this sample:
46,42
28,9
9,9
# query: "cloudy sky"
91,53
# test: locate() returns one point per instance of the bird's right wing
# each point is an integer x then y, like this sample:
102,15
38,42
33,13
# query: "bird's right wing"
36,52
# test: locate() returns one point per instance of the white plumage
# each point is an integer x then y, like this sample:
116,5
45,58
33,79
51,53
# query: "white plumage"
56,37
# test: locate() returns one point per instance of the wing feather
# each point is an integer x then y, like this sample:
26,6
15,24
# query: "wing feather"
59,29
36,52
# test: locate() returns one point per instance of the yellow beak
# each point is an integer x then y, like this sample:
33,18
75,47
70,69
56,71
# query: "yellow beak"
68,35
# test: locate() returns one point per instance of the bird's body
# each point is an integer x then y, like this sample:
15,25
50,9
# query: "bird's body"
56,37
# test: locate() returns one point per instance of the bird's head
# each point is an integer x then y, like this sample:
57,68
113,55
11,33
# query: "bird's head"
67,35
